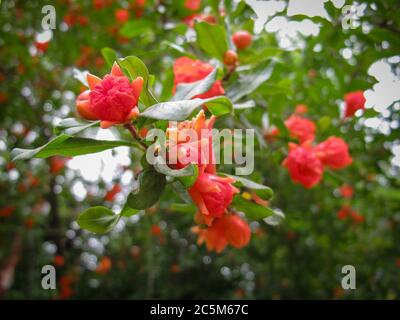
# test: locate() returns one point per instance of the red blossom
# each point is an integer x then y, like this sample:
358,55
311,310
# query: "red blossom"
334,153
229,229
301,128
212,194
113,99
303,165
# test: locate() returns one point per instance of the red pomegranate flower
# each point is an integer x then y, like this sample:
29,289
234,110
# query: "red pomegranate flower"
354,101
187,70
113,99
301,128
303,165
229,229
212,194
334,153
191,142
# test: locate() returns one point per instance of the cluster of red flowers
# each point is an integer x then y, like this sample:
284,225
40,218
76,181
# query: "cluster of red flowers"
212,194
113,100
305,161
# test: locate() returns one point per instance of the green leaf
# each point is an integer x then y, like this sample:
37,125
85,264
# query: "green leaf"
262,191
151,187
278,122
186,91
276,219
165,170
250,82
181,110
245,105
265,53
179,49
180,189
251,209
72,126
190,180
67,146
183,208
98,219
109,55
212,39
387,194
324,123
136,68
127,211
219,106
135,28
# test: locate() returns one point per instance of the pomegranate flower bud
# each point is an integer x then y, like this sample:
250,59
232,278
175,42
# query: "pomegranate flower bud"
242,39
303,165
334,153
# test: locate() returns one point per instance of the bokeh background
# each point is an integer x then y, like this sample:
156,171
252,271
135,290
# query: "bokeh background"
154,254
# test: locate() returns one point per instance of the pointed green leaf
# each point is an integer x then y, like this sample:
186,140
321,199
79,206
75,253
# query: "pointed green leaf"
181,110
250,82
212,39
186,91
72,126
251,209
68,147
136,68
262,191
98,219
109,55
151,187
